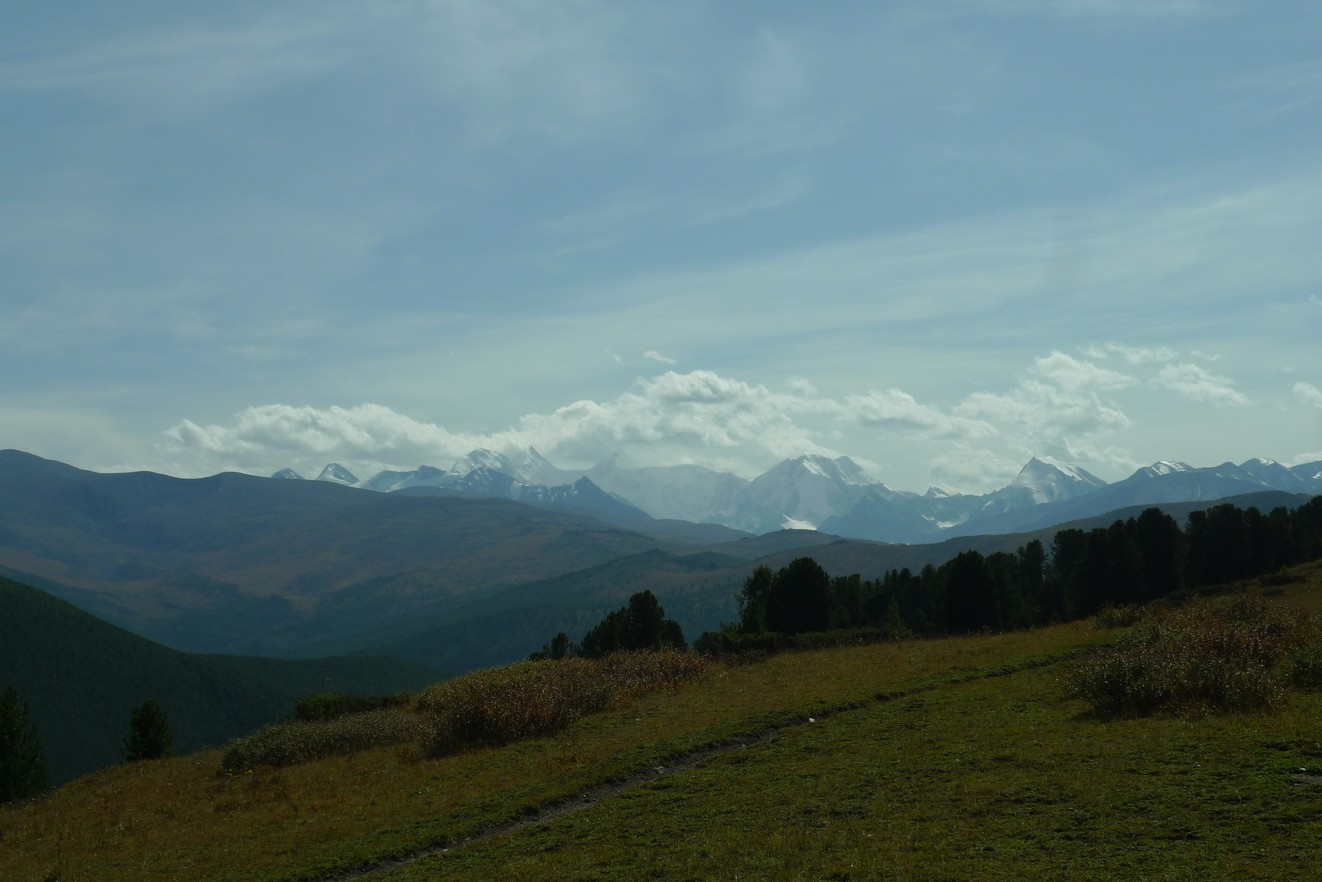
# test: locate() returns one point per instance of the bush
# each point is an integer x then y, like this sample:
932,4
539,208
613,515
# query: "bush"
328,705
1112,617
502,705
507,704
481,709
730,644
285,744
1223,655
1306,665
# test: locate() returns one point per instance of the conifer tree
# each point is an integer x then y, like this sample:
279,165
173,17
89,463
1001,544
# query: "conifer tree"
22,766
149,733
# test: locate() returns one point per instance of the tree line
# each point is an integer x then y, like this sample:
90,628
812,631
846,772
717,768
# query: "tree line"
641,624
1132,561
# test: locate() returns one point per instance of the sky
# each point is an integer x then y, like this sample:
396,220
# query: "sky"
940,236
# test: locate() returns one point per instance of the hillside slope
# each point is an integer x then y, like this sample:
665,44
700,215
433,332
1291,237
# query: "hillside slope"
81,677
944,759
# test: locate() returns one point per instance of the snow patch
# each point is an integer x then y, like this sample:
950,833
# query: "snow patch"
789,523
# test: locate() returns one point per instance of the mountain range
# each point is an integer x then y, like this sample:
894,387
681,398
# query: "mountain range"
442,575
832,495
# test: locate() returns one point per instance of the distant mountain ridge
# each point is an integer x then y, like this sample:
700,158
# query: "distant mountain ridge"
234,563
836,495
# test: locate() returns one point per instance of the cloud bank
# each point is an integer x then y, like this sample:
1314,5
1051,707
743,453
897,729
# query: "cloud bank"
1067,405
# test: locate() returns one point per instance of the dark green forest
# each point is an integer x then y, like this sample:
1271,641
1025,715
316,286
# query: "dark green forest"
1132,561
81,678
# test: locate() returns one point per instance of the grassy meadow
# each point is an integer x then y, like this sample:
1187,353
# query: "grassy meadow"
962,758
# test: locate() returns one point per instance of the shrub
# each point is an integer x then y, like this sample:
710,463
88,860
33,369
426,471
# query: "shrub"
1222,655
731,645
507,704
300,741
1112,617
328,705
1306,665
481,709
525,700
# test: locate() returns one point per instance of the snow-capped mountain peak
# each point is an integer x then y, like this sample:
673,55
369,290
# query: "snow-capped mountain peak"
482,458
533,468
1048,479
287,475
337,474
841,469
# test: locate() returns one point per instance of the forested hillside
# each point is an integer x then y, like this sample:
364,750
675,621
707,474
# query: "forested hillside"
81,678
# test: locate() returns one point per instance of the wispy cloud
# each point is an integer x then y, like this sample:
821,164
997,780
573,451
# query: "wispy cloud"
567,72
897,411
653,355
1279,90
189,68
1195,383
1142,10
775,106
1135,355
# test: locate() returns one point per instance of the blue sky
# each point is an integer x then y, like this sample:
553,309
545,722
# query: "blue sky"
939,237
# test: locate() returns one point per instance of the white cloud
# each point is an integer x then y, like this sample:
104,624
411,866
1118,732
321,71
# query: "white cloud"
653,355
265,436
1062,406
973,469
1309,393
896,411
1057,410
1197,384
802,387
1070,373
698,416
1134,355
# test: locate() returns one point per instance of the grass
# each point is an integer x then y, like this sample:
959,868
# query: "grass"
948,759
1235,653
483,709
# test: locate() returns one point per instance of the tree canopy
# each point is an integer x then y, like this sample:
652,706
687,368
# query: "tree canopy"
149,733
22,766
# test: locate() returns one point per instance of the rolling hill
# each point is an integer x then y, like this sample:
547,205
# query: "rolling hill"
959,758
81,677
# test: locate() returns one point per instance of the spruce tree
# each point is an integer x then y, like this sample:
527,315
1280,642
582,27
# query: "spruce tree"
22,766
149,733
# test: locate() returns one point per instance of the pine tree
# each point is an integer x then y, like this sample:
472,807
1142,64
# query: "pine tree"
149,733
22,767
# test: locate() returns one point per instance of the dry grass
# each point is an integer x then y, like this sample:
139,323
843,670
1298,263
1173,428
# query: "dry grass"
483,709
179,820
1220,655
978,778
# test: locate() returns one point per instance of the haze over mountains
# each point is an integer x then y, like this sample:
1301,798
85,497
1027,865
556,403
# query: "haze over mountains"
480,565
832,495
